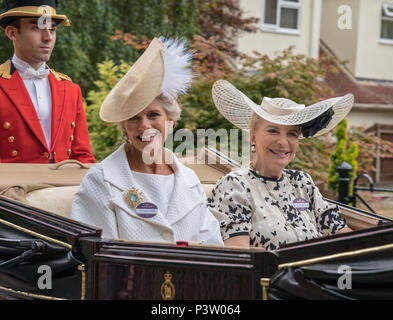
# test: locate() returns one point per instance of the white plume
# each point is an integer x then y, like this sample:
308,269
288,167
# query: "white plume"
178,74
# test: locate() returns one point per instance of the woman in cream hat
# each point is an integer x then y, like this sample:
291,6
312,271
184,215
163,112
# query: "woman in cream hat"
264,204
141,192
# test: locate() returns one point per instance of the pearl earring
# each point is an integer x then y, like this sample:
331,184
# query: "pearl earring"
253,148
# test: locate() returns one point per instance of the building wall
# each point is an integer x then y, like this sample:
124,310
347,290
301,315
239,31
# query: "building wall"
272,43
355,45
369,116
368,57
343,42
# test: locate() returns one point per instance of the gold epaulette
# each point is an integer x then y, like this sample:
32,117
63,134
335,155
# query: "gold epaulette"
5,69
60,76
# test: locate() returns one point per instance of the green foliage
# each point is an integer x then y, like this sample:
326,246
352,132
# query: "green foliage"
342,153
182,15
352,155
199,111
287,75
87,42
313,157
369,148
105,137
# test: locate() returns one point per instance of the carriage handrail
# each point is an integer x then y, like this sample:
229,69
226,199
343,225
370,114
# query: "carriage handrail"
370,188
374,189
33,248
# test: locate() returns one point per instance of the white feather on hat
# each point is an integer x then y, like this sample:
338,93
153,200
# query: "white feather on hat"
177,74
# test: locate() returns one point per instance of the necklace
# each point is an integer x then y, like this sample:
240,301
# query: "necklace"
273,196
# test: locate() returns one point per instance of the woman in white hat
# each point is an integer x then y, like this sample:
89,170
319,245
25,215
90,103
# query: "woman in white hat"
264,204
141,192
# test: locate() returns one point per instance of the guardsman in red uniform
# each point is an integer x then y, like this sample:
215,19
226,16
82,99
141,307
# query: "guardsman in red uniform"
42,118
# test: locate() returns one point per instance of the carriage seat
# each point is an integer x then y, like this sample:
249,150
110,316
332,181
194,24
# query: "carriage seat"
51,187
54,199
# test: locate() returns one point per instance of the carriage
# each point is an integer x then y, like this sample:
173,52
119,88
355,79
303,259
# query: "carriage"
46,255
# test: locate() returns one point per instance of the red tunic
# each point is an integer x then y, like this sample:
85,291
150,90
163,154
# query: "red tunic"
21,136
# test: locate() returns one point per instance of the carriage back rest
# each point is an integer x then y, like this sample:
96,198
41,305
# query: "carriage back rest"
58,200
357,220
50,187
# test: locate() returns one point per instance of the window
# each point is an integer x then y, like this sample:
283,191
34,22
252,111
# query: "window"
387,22
281,16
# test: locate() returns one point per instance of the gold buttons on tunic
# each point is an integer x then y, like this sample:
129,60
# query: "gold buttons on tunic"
46,155
6,125
69,151
11,139
72,138
14,153
72,124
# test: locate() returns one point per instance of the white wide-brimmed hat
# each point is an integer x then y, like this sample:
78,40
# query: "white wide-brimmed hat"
315,119
163,68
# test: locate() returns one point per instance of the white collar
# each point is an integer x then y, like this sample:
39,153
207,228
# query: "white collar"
24,68
122,176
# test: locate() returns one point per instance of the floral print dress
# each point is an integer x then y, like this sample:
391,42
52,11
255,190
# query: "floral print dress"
273,212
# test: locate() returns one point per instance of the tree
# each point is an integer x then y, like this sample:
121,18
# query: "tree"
369,148
104,137
224,20
81,47
343,153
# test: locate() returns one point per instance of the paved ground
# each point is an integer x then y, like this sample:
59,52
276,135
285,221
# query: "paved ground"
381,202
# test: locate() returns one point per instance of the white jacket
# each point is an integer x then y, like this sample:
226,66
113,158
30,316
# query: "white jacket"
100,202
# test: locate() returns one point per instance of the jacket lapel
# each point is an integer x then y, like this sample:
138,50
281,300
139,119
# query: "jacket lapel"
15,89
58,94
185,197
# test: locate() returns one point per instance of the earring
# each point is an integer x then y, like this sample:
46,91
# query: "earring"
125,138
253,148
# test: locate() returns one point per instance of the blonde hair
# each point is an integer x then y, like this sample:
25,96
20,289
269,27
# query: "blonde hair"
171,107
253,121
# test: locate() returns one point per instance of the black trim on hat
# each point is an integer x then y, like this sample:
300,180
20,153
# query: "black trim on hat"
11,4
311,127
7,20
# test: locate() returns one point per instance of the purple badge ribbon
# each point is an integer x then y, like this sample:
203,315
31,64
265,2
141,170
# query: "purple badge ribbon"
146,210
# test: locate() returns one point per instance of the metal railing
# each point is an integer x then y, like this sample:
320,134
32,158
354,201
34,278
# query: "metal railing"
344,183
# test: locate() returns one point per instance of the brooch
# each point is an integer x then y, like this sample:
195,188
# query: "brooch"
133,197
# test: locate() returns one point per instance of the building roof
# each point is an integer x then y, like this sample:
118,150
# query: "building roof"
365,93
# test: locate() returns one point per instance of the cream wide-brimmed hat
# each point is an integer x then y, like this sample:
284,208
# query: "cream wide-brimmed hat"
315,119
161,69
31,8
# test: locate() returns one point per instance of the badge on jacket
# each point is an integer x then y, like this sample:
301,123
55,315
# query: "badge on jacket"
146,210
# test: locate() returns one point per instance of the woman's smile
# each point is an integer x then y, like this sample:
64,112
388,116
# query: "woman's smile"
275,145
281,154
148,135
